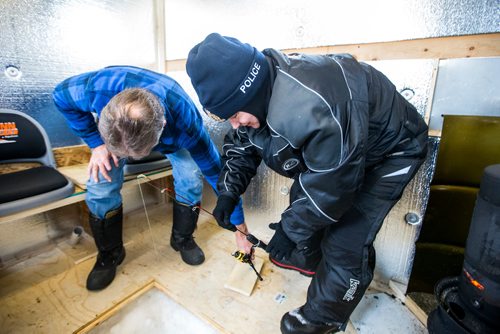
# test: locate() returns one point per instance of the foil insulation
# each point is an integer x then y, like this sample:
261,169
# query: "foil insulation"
43,42
298,23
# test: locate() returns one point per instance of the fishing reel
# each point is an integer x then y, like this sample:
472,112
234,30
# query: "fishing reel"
247,258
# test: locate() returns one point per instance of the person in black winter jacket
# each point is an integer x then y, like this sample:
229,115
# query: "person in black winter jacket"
341,130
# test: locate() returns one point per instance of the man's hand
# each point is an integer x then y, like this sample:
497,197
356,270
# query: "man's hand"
241,239
280,246
100,162
223,210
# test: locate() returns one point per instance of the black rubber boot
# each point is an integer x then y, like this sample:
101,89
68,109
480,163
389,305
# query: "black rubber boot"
304,261
108,239
294,322
182,240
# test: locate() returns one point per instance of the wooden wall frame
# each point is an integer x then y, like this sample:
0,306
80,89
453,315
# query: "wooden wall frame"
466,46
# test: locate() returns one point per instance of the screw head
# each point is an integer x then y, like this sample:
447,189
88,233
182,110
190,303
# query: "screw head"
413,218
407,93
12,72
284,190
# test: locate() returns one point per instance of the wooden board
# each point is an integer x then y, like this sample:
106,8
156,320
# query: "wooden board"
71,155
76,173
76,197
47,294
17,167
398,289
479,45
130,299
416,310
242,279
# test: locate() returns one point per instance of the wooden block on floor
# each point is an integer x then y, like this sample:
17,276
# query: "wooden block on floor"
242,279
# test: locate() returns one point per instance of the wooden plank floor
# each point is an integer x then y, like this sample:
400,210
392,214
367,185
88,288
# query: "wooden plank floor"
46,294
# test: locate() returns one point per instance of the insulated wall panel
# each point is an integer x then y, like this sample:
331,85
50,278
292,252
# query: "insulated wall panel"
44,41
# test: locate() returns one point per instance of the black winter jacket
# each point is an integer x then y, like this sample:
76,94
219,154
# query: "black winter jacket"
329,118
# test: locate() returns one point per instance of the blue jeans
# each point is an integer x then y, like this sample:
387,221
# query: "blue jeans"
104,196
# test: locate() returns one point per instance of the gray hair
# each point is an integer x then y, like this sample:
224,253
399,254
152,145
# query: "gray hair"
132,122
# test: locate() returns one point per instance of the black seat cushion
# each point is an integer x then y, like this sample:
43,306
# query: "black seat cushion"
30,182
153,156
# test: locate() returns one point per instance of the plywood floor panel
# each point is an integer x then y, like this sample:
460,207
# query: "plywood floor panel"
48,295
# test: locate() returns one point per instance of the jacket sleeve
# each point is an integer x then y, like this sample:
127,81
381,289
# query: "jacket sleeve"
322,194
240,161
193,136
71,100
188,132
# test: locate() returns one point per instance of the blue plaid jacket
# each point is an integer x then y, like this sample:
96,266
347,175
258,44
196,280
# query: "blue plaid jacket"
79,96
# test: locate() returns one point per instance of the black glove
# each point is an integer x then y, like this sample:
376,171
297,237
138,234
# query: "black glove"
280,246
223,210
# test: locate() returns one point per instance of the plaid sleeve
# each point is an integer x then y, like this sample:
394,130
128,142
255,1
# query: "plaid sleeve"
72,101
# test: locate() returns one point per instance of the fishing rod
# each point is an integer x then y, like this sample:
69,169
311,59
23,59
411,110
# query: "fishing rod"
171,193
239,255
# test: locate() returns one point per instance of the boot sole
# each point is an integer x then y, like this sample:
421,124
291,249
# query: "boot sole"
304,272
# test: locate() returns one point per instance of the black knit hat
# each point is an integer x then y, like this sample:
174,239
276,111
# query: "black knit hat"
226,74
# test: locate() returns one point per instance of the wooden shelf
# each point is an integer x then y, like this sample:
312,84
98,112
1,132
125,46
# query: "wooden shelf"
77,174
